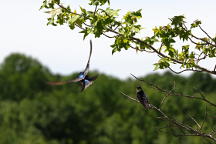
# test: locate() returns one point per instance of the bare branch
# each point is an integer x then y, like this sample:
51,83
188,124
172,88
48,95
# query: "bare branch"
206,33
200,58
203,40
108,36
202,98
165,117
206,100
133,99
202,44
183,70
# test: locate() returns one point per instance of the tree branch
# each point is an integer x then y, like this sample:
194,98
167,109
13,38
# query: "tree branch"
189,129
137,40
202,98
182,70
206,33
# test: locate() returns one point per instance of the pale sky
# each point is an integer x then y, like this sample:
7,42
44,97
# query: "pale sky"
23,29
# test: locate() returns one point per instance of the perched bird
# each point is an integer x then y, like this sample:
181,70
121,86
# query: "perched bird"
82,77
142,97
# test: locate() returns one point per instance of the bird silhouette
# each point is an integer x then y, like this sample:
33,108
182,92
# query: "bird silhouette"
82,77
141,96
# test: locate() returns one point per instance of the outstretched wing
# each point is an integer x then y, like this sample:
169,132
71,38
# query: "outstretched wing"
91,78
58,83
87,66
64,82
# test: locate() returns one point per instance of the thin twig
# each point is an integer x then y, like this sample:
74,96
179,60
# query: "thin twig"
182,70
133,99
202,44
194,121
95,9
162,101
207,42
206,33
204,119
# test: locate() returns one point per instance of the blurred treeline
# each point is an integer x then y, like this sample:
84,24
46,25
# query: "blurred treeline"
32,112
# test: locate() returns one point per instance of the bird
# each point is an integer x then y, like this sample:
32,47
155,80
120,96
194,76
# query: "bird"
87,81
82,77
141,96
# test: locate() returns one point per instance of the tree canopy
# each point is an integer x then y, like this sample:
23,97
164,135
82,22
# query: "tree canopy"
36,113
175,44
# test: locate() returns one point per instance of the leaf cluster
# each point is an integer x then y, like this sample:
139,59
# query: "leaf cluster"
174,43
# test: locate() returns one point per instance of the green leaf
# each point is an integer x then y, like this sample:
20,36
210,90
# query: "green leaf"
162,64
86,32
177,20
44,5
196,23
132,17
114,50
99,2
73,19
83,10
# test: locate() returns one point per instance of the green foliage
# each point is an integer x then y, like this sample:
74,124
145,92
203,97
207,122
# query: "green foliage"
196,23
49,4
162,64
105,21
33,112
99,2
22,72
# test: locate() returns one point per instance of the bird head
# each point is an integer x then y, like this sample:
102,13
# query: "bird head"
138,88
81,75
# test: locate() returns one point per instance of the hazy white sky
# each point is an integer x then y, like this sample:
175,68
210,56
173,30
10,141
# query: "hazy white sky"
23,29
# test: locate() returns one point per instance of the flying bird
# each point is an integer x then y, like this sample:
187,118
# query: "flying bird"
87,81
82,77
141,96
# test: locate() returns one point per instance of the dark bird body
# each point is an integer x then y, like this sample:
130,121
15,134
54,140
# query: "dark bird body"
142,97
82,77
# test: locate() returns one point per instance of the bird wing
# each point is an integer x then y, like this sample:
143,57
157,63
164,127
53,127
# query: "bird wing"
84,86
64,82
58,83
75,80
145,97
142,97
87,65
91,78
